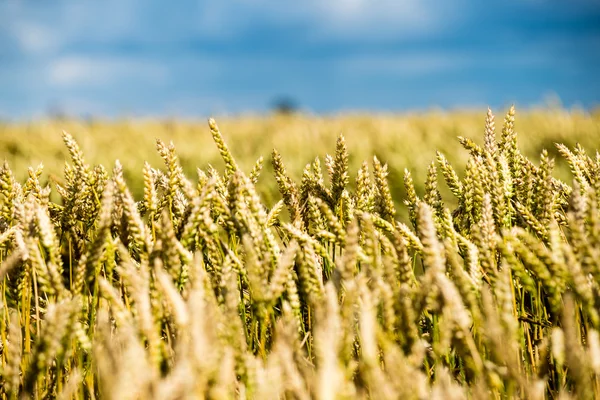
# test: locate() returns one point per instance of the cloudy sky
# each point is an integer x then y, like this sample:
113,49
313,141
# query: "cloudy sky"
139,58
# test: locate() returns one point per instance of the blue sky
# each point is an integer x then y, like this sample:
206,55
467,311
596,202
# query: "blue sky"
141,58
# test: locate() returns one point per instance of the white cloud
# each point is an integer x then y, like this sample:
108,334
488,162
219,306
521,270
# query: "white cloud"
51,28
436,62
35,38
351,19
409,64
97,71
48,27
377,18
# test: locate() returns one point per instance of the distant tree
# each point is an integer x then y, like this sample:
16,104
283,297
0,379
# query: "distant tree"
284,105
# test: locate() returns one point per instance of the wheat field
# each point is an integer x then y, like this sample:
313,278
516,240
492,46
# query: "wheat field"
401,141
409,264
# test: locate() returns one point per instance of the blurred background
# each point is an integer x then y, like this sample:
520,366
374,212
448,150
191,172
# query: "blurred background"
149,58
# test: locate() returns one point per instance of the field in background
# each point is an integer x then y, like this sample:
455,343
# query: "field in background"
402,141
198,288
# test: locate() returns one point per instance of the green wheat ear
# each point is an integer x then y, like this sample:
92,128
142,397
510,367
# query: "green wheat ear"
231,166
339,178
